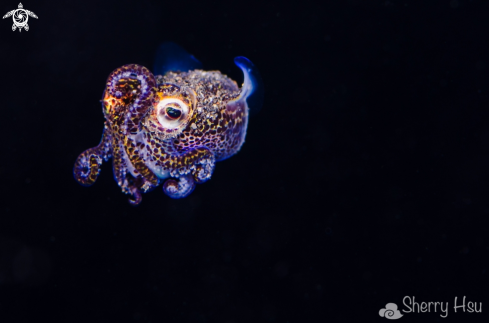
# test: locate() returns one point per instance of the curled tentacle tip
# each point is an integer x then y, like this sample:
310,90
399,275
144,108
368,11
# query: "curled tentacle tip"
87,168
136,198
204,172
179,188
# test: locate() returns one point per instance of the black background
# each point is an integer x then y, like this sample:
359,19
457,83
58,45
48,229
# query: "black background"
363,180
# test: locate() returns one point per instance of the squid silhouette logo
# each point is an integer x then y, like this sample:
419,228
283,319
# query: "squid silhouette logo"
20,17
390,312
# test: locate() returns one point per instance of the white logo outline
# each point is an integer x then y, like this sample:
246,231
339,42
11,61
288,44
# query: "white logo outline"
20,17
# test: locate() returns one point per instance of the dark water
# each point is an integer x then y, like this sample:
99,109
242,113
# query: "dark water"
363,180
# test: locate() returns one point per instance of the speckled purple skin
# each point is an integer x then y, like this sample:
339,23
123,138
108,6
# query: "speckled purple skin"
149,146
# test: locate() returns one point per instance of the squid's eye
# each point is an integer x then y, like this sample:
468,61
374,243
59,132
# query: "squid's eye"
173,113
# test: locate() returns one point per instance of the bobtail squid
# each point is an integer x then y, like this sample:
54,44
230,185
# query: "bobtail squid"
172,127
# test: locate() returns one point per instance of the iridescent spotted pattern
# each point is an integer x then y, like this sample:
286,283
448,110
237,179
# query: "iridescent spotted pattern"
169,128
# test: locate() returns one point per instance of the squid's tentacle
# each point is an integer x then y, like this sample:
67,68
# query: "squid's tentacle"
180,187
199,162
122,175
88,164
118,166
195,166
136,196
205,164
136,84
